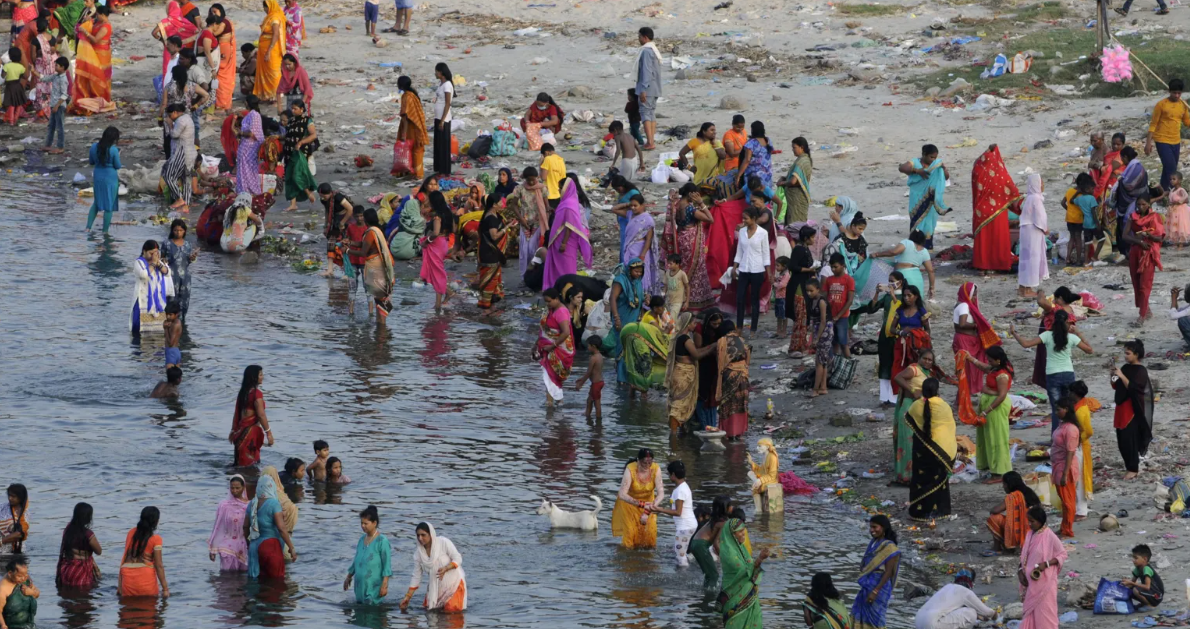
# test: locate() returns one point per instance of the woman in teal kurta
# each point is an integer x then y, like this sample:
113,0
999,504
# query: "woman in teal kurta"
372,565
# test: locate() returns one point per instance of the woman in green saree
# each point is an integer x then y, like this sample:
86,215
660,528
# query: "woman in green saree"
796,184
406,241
739,599
646,349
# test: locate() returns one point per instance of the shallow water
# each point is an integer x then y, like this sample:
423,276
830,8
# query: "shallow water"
436,418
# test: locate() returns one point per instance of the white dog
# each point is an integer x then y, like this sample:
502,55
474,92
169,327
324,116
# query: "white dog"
559,519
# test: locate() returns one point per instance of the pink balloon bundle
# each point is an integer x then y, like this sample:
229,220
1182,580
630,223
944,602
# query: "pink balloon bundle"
1117,66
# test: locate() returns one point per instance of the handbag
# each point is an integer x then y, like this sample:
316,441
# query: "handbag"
402,157
842,372
533,135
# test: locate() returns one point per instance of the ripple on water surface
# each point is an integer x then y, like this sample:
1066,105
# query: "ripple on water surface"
435,418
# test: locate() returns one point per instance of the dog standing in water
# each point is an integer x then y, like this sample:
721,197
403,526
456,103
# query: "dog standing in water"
559,519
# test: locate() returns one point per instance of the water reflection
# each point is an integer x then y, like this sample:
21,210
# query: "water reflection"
142,612
78,607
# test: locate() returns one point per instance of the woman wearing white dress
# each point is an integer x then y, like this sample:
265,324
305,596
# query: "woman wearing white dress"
1033,267
437,556
153,289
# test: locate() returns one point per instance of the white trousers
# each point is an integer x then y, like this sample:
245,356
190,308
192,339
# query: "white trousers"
961,618
681,544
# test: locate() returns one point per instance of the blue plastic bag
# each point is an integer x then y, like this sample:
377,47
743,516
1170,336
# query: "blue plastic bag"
1113,598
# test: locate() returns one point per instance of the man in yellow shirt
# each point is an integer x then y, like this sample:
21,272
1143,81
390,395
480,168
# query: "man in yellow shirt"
553,171
1165,130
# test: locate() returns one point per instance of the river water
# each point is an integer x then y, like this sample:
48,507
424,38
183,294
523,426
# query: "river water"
437,418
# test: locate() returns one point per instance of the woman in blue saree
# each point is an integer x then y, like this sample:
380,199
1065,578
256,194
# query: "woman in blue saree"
627,302
878,576
927,185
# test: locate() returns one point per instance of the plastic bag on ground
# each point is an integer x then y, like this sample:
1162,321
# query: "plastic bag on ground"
660,174
1112,597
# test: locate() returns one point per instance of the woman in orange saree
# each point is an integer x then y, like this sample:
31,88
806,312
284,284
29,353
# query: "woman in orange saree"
412,127
225,31
993,194
93,62
269,50
1007,522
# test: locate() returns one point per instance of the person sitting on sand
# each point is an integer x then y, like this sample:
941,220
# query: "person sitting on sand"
1007,521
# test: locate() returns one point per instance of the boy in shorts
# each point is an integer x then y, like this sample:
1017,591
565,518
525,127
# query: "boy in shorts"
1146,586
173,334
371,16
595,375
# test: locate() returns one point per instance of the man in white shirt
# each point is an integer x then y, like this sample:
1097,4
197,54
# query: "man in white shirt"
682,511
955,606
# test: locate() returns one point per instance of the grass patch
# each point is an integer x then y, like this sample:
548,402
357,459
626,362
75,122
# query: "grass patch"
1166,56
870,10
1040,12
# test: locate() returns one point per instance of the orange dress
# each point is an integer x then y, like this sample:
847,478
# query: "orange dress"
626,522
138,575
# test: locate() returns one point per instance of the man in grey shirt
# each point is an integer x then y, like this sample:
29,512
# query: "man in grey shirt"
648,84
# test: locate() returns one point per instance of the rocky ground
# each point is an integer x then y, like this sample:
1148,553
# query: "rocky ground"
853,78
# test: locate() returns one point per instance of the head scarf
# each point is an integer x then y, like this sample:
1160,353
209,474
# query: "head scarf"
965,578
300,79
502,190
569,216
1033,207
289,509
767,444
438,557
266,488
681,326
850,209
411,219
987,336
631,288
734,557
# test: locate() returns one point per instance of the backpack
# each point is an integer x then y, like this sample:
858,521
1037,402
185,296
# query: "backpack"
503,144
479,148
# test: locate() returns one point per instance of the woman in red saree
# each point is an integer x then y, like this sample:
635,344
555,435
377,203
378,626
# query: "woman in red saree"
993,193
250,427
1145,232
93,62
555,346
686,229
1105,177
973,334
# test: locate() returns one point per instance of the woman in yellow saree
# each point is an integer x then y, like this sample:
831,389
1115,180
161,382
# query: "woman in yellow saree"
412,127
641,489
269,51
93,64
379,277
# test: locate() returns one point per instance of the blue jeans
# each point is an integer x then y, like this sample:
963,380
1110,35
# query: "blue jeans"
1169,158
1056,385
57,119
1184,328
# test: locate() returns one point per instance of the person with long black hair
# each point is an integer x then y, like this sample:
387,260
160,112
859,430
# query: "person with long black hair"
439,227
1134,407
250,426
443,99
823,607
141,568
1059,340
1007,522
878,575
991,437
14,525
934,448
105,157
76,562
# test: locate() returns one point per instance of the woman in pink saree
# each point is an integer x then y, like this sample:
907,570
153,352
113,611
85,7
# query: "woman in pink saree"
555,346
174,24
227,543
1042,556
568,237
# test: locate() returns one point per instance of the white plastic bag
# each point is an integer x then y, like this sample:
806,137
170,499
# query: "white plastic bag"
661,174
679,176
599,320
547,137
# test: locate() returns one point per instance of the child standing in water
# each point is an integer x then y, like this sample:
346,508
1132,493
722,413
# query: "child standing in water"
595,375
682,511
173,334
317,467
334,472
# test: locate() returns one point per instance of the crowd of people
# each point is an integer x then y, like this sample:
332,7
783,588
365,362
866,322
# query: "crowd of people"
684,300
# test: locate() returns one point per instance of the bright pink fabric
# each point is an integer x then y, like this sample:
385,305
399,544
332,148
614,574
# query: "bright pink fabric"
1041,597
433,263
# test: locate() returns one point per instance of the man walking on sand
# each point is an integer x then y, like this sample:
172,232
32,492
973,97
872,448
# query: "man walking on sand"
648,84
